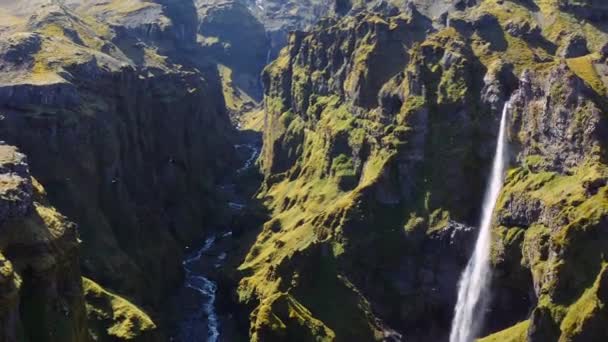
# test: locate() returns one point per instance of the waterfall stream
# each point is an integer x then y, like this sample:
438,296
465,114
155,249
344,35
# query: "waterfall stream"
473,285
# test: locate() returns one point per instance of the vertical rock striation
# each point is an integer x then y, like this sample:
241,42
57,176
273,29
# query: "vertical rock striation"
40,283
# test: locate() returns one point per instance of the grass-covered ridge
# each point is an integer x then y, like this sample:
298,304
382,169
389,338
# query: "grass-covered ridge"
111,316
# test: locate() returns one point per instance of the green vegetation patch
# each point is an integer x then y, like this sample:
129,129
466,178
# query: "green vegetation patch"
112,315
585,313
516,333
584,67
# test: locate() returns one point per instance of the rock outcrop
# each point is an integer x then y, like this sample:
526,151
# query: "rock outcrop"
237,41
40,284
552,213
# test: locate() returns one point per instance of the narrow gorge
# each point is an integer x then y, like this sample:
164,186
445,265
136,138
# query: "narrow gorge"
318,170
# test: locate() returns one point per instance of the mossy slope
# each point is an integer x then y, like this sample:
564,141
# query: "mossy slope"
378,132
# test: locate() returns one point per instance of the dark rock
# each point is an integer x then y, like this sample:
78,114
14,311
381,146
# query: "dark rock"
19,48
15,184
462,5
593,10
458,235
574,46
525,30
520,212
604,53
497,84
342,7
61,94
561,95
592,186
542,326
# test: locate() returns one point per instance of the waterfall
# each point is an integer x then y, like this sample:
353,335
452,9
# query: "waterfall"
473,285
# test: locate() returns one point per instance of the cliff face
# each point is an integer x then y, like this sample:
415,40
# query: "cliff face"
378,134
44,297
126,127
553,208
40,277
236,40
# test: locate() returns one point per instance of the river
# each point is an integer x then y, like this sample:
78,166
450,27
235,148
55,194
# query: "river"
203,323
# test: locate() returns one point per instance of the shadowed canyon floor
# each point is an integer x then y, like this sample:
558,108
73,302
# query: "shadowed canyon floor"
196,307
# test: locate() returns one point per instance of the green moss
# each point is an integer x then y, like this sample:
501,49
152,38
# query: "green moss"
438,219
535,250
577,240
584,67
112,315
453,86
125,6
283,316
356,137
414,224
351,318
535,162
557,311
516,333
411,105
342,165
507,241
582,312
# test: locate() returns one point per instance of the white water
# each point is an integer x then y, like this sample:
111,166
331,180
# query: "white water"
190,328
207,289
252,157
473,286
260,4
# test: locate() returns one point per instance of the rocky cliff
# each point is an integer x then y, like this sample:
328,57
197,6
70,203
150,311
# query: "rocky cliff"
123,120
40,277
378,136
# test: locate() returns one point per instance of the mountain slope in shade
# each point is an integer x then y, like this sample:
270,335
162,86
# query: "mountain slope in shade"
123,120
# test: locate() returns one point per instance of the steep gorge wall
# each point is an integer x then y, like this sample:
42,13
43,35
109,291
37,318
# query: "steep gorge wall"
40,277
378,134
553,209
124,122
367,206
134,175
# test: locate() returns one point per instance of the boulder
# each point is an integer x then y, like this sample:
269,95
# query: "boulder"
15,183
574,46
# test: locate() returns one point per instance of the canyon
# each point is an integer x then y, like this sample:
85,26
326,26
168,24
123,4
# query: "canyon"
279,170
